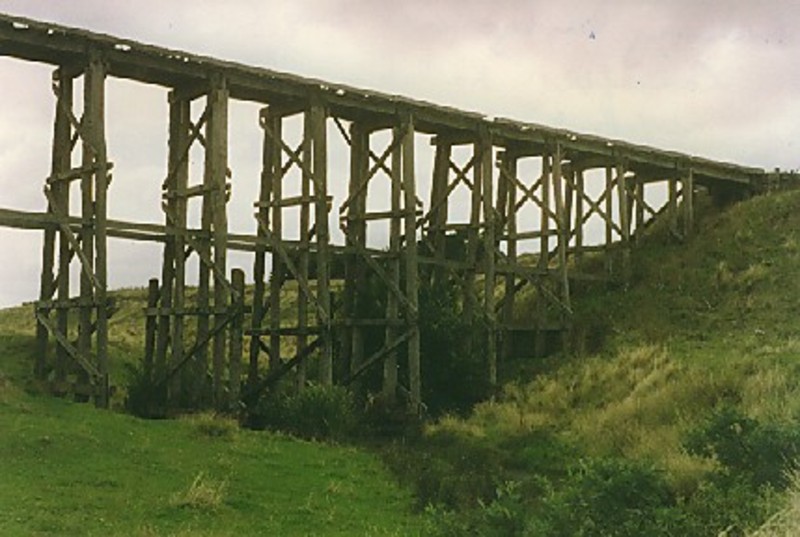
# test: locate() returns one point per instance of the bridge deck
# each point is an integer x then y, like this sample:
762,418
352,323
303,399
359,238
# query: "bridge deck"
58,45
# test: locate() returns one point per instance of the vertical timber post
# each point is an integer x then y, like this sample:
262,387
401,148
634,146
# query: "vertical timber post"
473,236
87,240
94,187
439,203
412,282
507,194
639,196
278,269
609,219
150,325
390,363
471,311
236,337
625,224
303,251
672,205
544,257
61,162
484,164
267,123
563,232
580,192
61,191
356,235
216,175
688,202
176,207
320,177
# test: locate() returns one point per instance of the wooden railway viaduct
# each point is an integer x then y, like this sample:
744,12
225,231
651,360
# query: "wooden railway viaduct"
531,189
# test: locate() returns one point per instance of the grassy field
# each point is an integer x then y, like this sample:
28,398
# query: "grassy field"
69,469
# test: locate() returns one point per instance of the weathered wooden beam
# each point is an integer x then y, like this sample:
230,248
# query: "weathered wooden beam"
94,85
485,163
355,237
177,215
94,220
624,217
544,253
259,263
273,128
390,363
306,181
319,133
672,204
411,263
439,205
580,194
688,202
559,186
506,202
216,174
60,161
150,332
236,337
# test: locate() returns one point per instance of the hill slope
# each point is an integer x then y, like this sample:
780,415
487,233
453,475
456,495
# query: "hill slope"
691,405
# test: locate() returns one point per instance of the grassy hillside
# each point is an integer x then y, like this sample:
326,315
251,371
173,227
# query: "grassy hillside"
69,469
691,406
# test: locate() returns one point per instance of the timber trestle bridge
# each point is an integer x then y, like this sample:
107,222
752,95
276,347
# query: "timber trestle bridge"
533,201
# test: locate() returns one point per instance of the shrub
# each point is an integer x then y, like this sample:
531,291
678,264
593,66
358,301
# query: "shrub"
389,418
144,398
729,506
448,471
762,452
606,497
453,350
317,412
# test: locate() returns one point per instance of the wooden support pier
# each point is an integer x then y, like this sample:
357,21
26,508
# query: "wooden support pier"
540,201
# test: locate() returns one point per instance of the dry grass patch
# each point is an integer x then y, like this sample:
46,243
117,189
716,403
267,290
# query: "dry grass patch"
213,425
205,494
786,522
771,394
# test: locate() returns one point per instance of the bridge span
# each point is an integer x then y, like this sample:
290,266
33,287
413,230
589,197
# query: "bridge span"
534,194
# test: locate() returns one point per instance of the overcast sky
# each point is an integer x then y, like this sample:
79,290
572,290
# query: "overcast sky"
720,79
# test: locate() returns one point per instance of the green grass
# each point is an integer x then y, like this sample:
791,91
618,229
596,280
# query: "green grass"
69,469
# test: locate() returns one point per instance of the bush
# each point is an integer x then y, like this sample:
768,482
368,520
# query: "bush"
762,452
448,471
387,418
144,398
730,505
453,351
503,516
317,412
606,497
